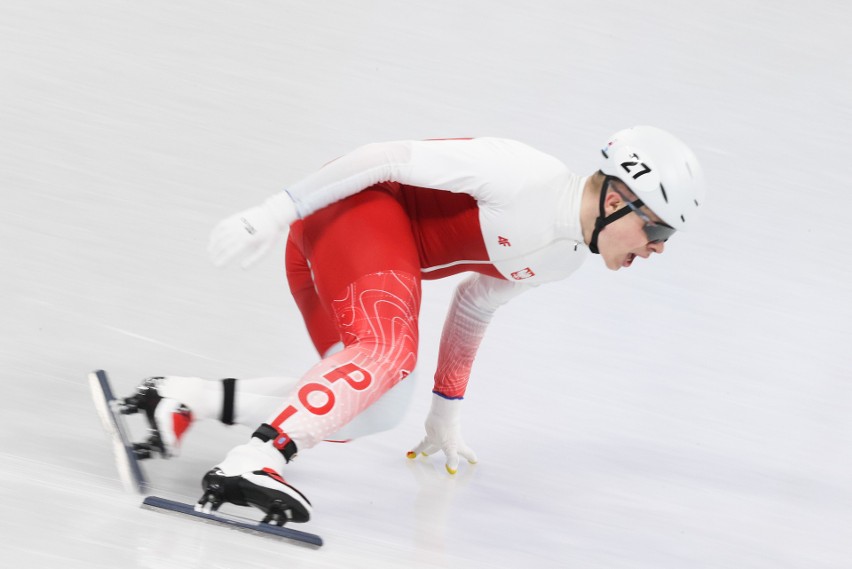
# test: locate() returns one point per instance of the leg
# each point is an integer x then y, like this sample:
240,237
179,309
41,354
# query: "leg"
325,334
321,326
366,275
378,319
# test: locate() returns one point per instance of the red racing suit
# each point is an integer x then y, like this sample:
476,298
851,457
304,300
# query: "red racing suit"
377,221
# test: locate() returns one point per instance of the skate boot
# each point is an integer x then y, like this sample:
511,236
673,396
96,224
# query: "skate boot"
168,419
250,476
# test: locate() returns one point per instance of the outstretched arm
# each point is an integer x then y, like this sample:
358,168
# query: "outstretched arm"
476,300
460,166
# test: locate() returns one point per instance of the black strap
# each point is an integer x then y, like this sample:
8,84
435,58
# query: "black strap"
602,221
229,386
280,441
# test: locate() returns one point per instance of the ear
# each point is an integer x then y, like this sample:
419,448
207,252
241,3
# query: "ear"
612,202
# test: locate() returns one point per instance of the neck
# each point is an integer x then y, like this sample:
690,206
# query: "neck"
589,208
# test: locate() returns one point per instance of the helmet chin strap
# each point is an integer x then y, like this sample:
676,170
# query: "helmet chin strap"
603,220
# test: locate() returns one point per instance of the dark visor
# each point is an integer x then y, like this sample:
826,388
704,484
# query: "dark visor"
654,230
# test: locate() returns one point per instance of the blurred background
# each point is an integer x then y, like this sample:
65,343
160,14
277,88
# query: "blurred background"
692,411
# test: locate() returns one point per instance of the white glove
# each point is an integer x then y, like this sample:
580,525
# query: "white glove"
252,232
443,432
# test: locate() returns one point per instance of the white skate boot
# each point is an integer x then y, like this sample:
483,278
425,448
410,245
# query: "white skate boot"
168,419
250,476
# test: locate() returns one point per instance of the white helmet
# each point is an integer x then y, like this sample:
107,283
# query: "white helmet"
660,169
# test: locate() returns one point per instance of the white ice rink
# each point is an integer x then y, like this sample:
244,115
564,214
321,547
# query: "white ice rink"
693,411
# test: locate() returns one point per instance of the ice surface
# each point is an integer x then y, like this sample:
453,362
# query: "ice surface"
692,411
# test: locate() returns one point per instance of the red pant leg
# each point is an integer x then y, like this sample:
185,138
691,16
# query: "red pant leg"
320,324
366,274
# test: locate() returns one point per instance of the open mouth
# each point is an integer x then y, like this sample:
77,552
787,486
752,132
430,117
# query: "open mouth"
628,260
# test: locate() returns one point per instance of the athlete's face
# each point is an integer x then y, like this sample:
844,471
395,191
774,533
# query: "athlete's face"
622,241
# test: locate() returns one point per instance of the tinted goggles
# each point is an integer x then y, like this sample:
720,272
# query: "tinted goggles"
654,230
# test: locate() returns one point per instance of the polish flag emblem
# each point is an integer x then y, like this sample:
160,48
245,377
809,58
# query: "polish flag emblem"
523,274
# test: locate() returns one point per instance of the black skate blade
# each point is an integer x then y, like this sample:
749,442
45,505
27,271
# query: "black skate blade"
233,522
126,460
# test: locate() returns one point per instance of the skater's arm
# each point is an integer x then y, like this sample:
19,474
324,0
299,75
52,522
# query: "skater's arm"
491,170
476,300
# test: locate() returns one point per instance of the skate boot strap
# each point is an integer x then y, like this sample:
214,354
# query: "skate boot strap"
283,443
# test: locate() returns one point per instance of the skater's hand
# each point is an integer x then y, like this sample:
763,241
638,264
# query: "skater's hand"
251,233
443,432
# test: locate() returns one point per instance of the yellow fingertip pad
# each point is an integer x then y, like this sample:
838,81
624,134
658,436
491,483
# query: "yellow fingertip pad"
411,454
450,470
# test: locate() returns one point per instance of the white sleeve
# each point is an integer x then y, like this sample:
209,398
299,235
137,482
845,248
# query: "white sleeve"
461,166
476,300
346,176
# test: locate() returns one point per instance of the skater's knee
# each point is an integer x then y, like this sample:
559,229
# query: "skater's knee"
397,358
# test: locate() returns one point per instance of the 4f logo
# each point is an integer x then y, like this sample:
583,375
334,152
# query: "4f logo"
503,241
640,167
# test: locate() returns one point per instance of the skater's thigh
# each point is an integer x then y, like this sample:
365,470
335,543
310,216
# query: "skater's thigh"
365,234
319,323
